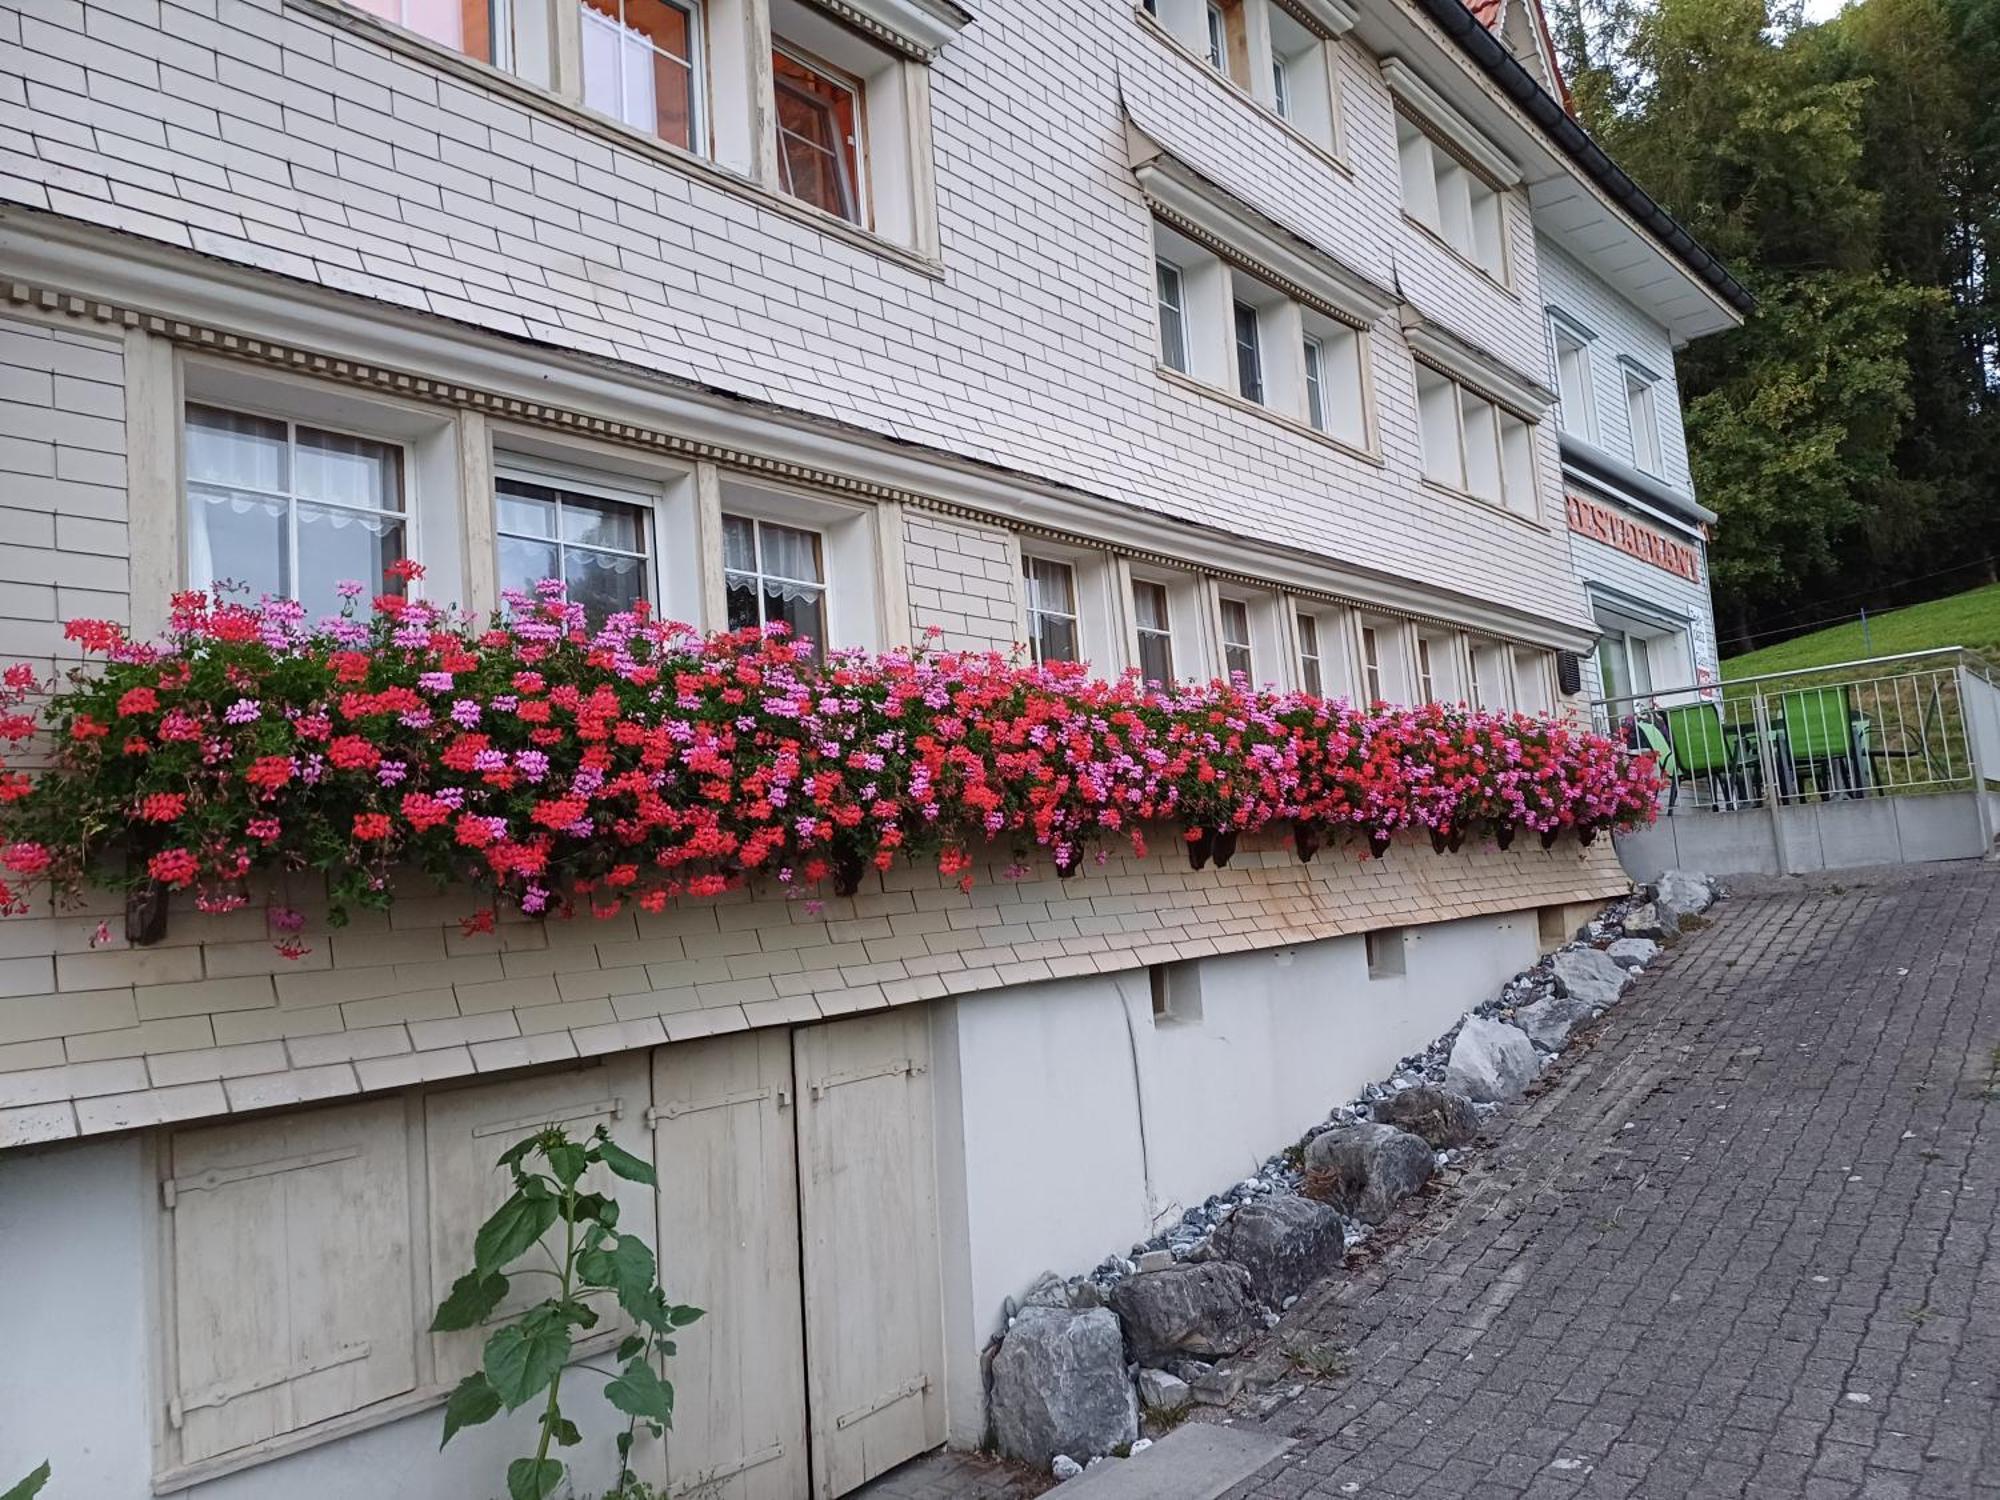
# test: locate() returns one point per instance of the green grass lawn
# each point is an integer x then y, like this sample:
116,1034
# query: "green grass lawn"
1969,619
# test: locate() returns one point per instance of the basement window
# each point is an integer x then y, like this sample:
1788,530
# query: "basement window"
1385,953
1176,992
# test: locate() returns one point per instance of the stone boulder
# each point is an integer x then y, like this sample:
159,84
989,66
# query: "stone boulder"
1590,975
1060,1386
1491,1062
1549,1022
1683,893
1648,921
1363,1169
1633,952
1286,1244
1204,1310
1163,1393
1442,1118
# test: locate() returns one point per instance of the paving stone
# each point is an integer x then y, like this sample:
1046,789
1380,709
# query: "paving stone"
1766,1184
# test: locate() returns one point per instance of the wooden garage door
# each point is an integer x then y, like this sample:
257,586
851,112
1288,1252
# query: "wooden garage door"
729,1243
868,1202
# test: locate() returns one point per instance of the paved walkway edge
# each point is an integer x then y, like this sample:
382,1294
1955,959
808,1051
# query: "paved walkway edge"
1195,1462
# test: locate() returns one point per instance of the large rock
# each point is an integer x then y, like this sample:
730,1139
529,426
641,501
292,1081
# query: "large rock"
1648,921
1363,1169
1633,952
1491,1062
1060,1386
1549,1022
1683,893
1442,1118
1286,1244
1204,1310
1590,975
1163,1393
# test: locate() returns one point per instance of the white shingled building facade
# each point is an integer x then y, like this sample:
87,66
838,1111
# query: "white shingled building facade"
1187,336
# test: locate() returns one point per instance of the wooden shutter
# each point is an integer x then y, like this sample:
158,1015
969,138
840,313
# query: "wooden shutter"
291,1273
466,1132
729,1243
868,1204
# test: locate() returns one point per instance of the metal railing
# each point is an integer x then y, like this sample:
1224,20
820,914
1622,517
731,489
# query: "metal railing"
1924,722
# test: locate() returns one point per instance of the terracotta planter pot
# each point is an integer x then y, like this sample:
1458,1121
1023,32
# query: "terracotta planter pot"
1225,846
1306,839
1200,844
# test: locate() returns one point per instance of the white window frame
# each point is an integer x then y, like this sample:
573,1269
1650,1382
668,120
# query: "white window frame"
1036,612
1236,637
1287,68
1340,673
696,63
1189,629
854,606
1100,604
1474,446
1576,411
1168,277
1642,418
1491,684
578,481
1453,201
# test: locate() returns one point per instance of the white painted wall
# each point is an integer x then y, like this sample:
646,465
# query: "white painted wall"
1084,1122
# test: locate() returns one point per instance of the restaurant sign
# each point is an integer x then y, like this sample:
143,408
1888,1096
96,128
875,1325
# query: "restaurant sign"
1603,524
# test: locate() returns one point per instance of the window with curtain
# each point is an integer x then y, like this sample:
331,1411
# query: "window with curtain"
819,134
1155,631
1426,680
1052,614
641,65
1236,638
467,26
289,511
774,575
1371,663
1311,676
596,546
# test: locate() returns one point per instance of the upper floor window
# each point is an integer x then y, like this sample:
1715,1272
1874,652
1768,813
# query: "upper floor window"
1218,39
1268,51
595,545
641,66
1173,316
1578,412
1052,609
291,511
1249,355
1152,622
774,574
1473,446
1312,670
1236,656
1450,198
1371,664
463,25
1643,414
820,153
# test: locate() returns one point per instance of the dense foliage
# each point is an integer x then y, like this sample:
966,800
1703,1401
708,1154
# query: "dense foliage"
553,766
1849,172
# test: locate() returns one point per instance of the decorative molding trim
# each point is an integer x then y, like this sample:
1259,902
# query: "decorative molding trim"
1465,138
752,439
1246,236
1448,354
919,29
1327,19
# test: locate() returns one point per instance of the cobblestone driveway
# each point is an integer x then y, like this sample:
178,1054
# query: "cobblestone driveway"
1746,1246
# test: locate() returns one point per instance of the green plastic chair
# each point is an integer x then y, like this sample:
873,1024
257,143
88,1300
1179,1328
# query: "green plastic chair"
1819,731
1700,747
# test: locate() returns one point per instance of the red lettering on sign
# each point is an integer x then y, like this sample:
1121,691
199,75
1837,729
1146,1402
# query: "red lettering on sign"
1603,524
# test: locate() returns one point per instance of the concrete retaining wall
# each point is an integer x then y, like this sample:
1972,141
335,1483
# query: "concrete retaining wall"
1816,836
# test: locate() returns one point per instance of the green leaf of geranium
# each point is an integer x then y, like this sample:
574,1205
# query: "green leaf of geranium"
473,1400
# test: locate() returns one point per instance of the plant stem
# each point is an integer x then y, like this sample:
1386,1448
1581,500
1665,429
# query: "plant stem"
551,1412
